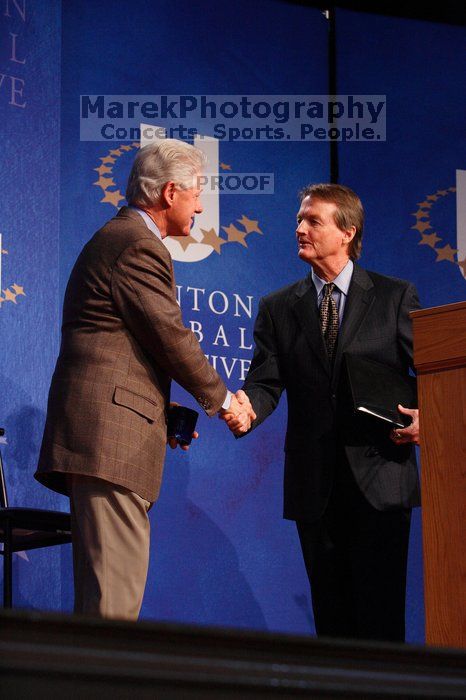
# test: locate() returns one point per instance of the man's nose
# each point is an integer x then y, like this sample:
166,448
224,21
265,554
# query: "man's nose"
199,208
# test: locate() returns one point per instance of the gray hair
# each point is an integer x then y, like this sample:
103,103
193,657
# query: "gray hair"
165,161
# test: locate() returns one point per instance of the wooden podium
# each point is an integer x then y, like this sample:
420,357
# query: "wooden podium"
440,360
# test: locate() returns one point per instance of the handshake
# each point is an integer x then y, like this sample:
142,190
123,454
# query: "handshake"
239,415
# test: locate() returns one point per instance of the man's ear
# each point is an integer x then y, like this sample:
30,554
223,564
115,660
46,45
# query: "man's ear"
348,235
168,193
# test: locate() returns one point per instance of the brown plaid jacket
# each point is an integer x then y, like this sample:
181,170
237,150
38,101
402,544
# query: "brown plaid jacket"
123,340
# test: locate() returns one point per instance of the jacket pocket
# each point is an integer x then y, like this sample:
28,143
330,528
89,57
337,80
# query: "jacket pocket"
145,407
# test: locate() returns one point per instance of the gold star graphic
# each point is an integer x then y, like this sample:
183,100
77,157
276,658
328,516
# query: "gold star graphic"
462,264
235,235
19,291
422,226
126,148
113,197
452,189
9,296
115,152
425,204
446,253
135,144
250,225
103,169
442,193
1,300
211,238
108,159
224,166
432,197
420,214
105,182
429,239
185,241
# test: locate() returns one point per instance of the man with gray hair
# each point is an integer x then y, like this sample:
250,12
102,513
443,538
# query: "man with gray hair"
123,341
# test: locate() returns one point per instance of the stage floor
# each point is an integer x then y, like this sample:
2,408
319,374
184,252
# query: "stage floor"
56,656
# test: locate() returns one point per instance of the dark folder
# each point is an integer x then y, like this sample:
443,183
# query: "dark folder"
377,389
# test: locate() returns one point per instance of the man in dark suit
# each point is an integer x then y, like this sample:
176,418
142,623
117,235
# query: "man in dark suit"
349,483
123,341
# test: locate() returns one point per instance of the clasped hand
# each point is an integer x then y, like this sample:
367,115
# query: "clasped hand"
401,436
240,414
173,442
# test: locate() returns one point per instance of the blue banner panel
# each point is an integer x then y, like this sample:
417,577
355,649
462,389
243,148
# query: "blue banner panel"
408,183
221,553
29,308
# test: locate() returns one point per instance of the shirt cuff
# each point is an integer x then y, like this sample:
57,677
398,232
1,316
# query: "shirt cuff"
226,404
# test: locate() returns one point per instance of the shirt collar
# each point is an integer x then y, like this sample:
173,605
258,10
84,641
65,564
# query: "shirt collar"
148,221
342,281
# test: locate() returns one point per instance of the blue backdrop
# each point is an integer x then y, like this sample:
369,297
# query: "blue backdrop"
29,296
221,554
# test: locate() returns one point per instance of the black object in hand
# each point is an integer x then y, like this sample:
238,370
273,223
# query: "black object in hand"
181,424
377,389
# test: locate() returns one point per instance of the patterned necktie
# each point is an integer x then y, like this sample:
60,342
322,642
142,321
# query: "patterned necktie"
329,319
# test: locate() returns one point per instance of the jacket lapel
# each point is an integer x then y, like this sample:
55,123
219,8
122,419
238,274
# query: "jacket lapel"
360,298
307,317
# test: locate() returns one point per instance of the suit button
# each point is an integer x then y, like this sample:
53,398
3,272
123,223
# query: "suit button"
334,396
372,452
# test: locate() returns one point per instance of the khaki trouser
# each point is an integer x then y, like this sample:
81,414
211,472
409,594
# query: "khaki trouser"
111,535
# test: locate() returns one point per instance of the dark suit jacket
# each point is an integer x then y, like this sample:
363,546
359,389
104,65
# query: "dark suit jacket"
123,340
290,355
